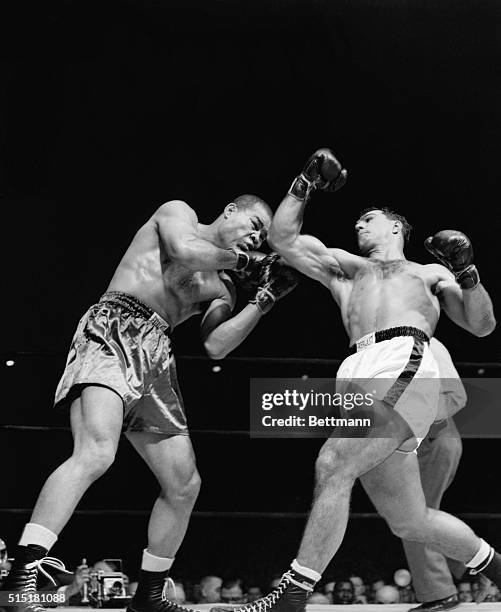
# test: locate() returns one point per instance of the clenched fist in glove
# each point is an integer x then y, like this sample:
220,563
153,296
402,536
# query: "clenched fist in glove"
322,171
276,281
454,250
249,278
248,261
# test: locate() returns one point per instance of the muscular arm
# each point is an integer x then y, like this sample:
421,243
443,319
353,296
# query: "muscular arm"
305,253
471,309
221,332
177,228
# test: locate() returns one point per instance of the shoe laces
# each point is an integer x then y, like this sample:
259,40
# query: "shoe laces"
263,604
170,584
38,565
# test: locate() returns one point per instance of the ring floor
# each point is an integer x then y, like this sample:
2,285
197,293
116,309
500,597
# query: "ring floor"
484,607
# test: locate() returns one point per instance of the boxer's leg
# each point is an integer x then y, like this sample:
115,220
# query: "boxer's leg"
438,461
172,460
96,420
395,489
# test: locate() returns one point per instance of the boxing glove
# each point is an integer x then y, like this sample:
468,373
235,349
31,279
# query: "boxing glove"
322,171
455,251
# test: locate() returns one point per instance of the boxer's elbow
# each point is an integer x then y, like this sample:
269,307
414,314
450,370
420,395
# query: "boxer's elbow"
279,240
485,327
215,350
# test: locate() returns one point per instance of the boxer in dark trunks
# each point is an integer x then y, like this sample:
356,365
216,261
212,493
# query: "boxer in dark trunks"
390,307
120,374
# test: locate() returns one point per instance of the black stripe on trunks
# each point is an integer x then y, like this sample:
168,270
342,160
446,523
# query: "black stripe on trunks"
400,385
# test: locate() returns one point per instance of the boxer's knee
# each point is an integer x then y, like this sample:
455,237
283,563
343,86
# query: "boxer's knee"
333,467
95,457
183,490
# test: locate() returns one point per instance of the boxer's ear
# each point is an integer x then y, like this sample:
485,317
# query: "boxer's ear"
229,209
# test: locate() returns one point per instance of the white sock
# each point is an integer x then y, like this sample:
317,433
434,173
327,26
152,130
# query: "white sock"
306,571
483,554
37,534
152,563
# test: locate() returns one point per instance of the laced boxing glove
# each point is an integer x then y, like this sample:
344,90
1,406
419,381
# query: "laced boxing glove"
277,280
249,278
322,171
455,251
247,260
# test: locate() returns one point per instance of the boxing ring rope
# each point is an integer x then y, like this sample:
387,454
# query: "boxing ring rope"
313,361
246,515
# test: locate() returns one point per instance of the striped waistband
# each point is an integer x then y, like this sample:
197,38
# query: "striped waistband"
387,334
135,306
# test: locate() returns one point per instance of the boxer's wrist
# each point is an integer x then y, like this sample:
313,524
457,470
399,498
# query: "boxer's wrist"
468,278
301,188
264,300
242,259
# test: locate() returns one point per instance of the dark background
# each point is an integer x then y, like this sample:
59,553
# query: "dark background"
110,109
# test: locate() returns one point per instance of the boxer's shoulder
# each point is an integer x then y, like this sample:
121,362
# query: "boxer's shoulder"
177,209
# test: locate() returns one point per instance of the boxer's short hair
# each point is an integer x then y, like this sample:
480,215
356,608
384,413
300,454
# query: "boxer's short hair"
391,214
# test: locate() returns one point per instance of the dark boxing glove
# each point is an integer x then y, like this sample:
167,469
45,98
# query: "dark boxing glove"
322,171
454,250
249,278
277,280
248,261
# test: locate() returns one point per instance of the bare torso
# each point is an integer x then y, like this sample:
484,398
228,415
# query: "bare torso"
170,289
377,294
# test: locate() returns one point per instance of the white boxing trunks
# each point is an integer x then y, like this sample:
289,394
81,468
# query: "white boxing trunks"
407,376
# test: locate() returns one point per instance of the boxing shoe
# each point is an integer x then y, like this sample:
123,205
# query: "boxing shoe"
447,603
21,583
151,594
289,596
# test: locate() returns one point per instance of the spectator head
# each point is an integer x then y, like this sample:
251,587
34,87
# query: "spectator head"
343,592
253,592
374,586
232,592
465,591
387,594
102,566
493,594
328,589
358,585
317,598
3,552
275,581
175,591
210,589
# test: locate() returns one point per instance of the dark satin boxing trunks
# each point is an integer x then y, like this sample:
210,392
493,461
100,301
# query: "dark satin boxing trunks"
122,344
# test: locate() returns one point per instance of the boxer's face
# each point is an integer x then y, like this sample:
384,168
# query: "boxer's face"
245,229
373,229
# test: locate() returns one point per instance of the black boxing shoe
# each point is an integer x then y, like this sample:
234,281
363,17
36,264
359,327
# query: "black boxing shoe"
289,596
447,603
21,582
151,595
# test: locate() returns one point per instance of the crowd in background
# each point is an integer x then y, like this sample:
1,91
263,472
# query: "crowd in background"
84,586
